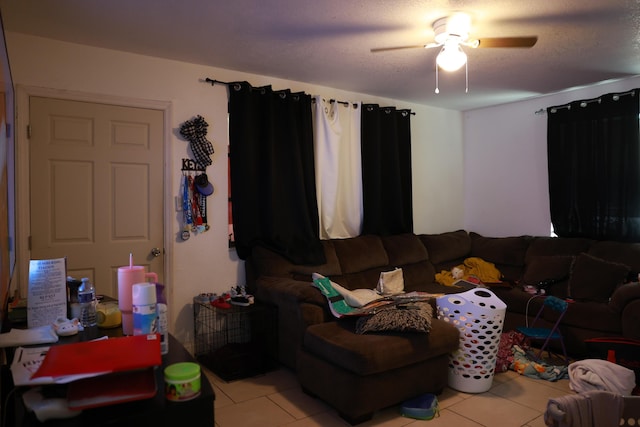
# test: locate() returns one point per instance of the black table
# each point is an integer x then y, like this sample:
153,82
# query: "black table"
157,411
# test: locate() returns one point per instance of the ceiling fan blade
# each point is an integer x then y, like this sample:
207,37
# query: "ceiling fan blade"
385,49
527,41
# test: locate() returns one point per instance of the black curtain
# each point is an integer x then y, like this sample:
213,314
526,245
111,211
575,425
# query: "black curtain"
386,170
272,173
593,149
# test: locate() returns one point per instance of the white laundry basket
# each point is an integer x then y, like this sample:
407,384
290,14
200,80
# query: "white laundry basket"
479,316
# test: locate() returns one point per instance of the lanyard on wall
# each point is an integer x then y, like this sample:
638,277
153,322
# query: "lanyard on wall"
186,209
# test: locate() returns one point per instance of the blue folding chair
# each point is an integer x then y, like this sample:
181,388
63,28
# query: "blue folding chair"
534,332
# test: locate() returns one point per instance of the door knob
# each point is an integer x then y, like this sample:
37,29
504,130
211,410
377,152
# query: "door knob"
156,252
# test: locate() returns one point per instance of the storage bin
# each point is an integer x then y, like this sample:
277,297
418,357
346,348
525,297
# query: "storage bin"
478,314
423,407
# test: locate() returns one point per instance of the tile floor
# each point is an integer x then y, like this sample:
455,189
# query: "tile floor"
275,399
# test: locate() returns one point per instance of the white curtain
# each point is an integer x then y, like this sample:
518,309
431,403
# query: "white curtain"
338,165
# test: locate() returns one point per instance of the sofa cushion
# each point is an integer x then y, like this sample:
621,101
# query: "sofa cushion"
547,268
595,279
519,301
404,249
593,316
557,246
624,253
500,250
418,276
366,354
360,253
448,246
549,272
329,268
268,263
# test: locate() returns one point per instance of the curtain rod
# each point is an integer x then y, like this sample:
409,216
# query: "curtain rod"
334,101
355,105
585,102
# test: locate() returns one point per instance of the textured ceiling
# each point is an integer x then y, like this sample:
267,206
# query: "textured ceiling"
328,42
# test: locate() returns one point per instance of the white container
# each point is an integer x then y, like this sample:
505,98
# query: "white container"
479,316
145,318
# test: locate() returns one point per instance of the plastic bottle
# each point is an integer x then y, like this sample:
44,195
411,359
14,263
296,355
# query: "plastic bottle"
145,317
163,328
163,321
73,306
88,303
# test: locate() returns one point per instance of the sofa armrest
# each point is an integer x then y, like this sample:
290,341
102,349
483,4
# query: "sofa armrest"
299,305
630,320
623,295
277,290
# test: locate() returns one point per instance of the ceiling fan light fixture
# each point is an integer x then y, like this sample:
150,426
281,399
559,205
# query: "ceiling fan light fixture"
451,57
459,24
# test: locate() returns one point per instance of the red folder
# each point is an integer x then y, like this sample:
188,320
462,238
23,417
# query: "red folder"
101,356
110,389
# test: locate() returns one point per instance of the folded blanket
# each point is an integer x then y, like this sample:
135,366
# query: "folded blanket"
596,374
483,270
472,268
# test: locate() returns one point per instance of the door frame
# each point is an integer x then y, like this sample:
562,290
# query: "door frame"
23,228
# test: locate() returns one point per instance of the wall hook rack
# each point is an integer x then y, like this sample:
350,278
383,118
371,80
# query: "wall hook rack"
192,166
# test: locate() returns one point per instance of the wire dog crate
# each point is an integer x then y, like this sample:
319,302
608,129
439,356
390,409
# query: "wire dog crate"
236,342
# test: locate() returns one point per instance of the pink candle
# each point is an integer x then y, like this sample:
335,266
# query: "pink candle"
127,277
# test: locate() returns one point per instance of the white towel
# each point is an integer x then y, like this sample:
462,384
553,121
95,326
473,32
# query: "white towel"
595,374
17,337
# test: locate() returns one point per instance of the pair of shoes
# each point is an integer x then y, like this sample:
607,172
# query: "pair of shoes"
220,302
236,291
242,300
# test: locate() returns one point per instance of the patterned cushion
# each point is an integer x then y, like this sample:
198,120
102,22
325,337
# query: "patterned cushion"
412,317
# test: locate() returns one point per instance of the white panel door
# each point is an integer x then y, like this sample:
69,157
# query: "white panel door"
96,187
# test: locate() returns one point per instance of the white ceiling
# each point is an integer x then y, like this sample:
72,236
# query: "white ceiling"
328,42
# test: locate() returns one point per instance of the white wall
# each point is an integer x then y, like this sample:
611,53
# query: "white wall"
204,263
438,177
505,163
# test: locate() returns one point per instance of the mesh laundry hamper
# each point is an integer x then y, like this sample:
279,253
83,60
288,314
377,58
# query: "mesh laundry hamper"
479,316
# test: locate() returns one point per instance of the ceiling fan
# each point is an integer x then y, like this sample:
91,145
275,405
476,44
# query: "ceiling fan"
452,32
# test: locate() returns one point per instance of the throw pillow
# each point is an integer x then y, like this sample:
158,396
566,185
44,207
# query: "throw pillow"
410,317
595,279
547,269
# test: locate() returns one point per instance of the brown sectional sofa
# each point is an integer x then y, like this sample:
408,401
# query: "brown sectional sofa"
590,272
